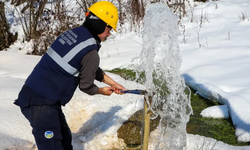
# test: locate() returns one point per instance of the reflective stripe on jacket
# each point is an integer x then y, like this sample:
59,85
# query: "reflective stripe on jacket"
55,76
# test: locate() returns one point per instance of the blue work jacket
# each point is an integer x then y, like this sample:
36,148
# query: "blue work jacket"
55,77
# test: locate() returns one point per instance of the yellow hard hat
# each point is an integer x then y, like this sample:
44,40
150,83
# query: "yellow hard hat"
106,11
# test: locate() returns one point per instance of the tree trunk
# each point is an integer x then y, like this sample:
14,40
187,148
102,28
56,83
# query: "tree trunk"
6,37
4,28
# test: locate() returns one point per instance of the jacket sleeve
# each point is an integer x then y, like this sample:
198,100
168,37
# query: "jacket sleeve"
90,66
99,74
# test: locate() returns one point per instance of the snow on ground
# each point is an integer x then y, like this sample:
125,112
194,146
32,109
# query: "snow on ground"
215,61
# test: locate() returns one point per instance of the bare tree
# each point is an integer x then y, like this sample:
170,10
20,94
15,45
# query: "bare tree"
178,7
138,10
6,37
29,15
85,4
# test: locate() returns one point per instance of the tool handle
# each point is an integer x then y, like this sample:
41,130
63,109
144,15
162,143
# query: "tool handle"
139,92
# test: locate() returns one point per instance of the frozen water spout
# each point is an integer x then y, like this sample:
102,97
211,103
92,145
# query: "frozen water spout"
161,61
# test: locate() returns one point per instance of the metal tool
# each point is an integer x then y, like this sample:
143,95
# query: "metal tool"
136,91
139,92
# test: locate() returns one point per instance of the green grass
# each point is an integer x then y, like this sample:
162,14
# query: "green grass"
129,74
219,129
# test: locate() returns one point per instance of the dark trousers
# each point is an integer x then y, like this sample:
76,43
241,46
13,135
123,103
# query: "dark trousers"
49,127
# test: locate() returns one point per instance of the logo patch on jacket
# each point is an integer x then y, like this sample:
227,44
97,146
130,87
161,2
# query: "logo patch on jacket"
49,134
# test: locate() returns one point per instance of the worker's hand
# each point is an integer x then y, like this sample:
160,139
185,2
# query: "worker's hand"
106,91
117,91
118,88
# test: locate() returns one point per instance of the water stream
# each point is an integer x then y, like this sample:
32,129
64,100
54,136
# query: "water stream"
161,61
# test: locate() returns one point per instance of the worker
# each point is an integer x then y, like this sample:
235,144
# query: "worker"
71,61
